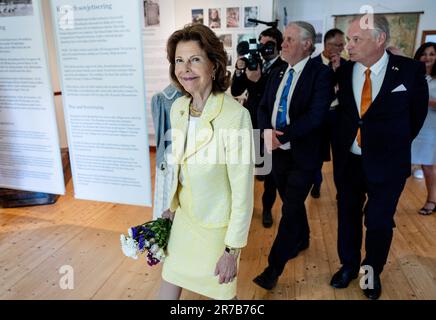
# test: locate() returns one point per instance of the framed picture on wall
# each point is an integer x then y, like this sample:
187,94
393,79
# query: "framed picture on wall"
232,17
428,36
151,13
197,16
215,18
250,13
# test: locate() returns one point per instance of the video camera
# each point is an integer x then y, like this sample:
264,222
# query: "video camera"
251,51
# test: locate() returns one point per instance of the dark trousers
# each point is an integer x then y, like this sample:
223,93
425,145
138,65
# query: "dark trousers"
376,203
294,185
269,192
269,186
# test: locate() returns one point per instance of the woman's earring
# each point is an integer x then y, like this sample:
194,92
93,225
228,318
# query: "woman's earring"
213,75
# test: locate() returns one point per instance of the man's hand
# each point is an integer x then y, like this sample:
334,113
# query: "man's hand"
335,59
254,75
167,214
226,267
270,139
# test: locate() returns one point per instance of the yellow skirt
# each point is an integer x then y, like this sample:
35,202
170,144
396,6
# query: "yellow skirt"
193,252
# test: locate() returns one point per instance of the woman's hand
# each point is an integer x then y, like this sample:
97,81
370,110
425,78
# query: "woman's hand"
168,214
226,267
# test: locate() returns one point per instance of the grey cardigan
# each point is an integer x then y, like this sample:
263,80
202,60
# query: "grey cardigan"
160,108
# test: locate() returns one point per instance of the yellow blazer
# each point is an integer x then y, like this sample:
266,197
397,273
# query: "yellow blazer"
217,169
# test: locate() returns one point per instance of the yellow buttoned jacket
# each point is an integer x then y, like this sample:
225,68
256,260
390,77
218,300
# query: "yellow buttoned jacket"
217,169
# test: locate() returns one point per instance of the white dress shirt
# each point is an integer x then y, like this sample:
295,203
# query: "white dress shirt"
298,69
378,71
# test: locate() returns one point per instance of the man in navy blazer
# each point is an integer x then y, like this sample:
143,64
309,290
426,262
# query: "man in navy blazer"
334,44
383,102
296,100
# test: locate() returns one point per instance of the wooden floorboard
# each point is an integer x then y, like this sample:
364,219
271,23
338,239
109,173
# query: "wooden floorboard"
35,242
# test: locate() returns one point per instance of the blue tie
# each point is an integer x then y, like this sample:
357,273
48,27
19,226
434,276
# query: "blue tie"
282,110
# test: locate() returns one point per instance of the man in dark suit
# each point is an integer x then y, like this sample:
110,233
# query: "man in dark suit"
383,102
254,82
334,43
296,100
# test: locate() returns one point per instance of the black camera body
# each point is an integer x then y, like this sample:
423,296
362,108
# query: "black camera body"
253,52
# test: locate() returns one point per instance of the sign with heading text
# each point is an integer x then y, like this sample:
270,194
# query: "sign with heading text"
100,54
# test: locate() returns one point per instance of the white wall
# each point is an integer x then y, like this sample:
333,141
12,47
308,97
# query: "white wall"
324,10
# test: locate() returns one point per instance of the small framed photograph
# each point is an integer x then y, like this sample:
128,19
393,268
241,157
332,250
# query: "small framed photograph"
215,18
428,36
232,17
197,16
250,13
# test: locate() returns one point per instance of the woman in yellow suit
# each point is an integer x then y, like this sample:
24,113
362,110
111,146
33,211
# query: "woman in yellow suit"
212,196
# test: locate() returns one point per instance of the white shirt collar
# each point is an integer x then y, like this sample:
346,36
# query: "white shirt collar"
376,67
299,66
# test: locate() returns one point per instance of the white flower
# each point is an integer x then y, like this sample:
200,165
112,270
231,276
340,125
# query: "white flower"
128,245
154,248
159,254
146,244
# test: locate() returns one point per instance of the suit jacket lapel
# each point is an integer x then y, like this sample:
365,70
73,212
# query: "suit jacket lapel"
389,79
347,89
204,130
300,83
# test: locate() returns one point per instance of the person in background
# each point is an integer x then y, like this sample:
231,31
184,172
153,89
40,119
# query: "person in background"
383,102
424,146
334,42
254,82
160,109
212,195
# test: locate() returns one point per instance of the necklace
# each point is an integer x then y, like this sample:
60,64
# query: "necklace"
194,112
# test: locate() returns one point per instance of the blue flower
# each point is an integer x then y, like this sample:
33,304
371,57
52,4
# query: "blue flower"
141,242
134,232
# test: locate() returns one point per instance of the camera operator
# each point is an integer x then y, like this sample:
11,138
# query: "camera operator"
254,81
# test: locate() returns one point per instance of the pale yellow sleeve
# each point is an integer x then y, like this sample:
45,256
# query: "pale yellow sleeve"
240,168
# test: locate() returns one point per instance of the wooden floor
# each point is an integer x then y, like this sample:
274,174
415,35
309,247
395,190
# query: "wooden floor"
35,242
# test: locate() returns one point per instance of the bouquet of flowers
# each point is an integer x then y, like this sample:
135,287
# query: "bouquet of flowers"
150,238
